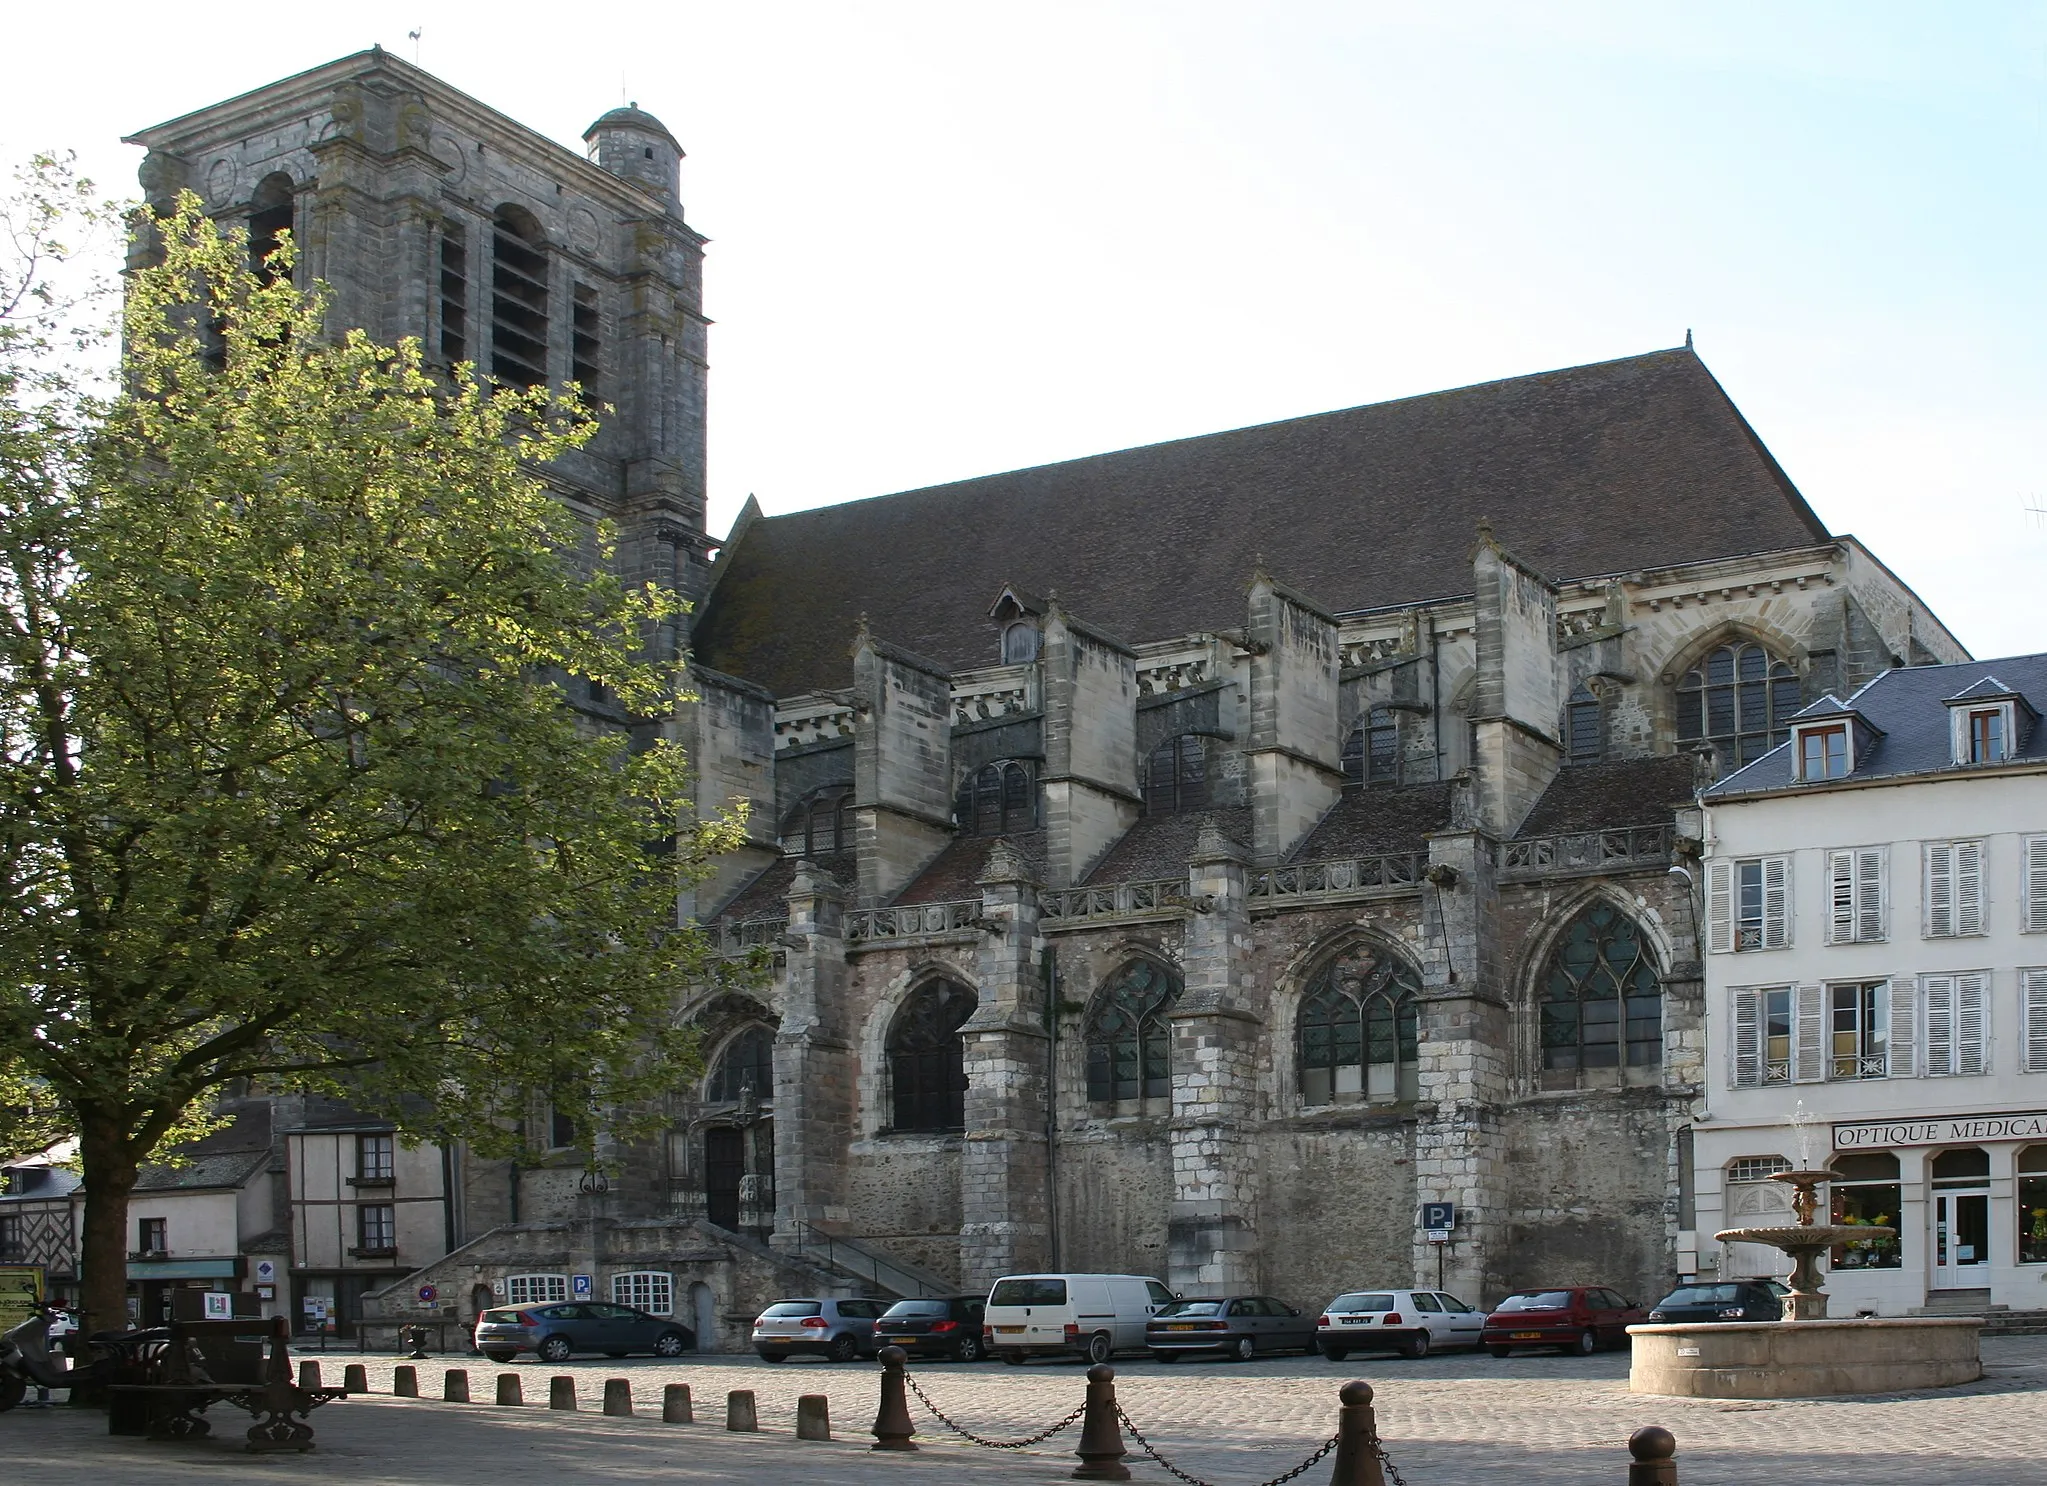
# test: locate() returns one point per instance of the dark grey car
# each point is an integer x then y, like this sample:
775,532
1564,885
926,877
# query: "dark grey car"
557,1332
1239,1326
1741,1300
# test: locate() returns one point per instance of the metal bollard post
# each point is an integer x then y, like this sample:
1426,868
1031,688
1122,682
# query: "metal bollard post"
740,1415
618,1398
1655,1452
404,1382
813,1417
1101,1449
1357,1439
355,1378
455,1385
561,1392
309,1374
675,1405
892,1426
510,1394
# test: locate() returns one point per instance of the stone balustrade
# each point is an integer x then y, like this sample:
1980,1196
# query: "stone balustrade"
876,926
1340,878
1625,850
1077,907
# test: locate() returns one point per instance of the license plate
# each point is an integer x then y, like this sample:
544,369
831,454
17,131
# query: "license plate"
1009,1331
1528,1336
1356,1320
1179,1328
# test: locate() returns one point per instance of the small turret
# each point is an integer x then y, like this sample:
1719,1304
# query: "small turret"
632,143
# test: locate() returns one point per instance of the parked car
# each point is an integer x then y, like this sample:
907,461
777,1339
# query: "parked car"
555,1332
1239,1326
1740,1300
839,1329
1055,1315
1411,1322
949,1327
1575,1318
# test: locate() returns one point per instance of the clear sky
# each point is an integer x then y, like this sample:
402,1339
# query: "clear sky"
953,238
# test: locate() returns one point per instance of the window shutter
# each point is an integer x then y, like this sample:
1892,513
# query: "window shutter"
1776,902
2036,885
1748,1039
2033,990
1939,991
1841,897
1972,1023
1904,1048
1720,907
1940,891
1968,887
1869,894
1809,1051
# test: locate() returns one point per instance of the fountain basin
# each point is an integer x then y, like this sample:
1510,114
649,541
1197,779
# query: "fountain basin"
1805,1359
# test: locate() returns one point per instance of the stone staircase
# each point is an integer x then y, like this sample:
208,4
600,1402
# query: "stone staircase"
1998,1320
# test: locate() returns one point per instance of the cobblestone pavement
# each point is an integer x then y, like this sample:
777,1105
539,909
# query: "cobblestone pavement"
1456,1420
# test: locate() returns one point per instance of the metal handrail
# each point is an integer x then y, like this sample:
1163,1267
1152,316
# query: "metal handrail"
878,1271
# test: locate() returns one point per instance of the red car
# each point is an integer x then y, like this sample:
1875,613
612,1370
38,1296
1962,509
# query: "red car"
1573,1318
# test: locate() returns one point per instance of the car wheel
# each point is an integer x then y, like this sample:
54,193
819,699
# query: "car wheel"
1336,1354
774,1356
500,1356
1587,1343
555,1349
1099,1347
1014,1359
1416,1345
13,1388
1165,1356
670,1344
969,1349
1497,1351
1244,1349
845,1347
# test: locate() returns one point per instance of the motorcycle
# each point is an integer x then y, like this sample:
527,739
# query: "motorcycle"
26,1362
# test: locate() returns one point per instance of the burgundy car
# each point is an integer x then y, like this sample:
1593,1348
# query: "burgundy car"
1574,1318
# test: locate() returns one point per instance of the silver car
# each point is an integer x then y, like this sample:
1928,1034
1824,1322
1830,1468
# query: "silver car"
558,1331
838,1329
1411,1322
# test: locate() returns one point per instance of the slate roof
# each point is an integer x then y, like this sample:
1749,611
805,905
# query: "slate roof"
1372,822
1610,468
200,1173
1606,796
1160,845
766,895
955,873
1909,706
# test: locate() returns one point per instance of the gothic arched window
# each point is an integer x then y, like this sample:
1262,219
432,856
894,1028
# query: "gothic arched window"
1129,1045
747,1061
997,799
1176,776
518,299
820,826
926,1060
1584,737
1359,1030
1601,1003
1741,698
1371,754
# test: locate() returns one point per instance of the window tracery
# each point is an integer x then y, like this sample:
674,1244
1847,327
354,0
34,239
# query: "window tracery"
1359,1030
821,824
1601,1001
1129,1042
1176,776
1371,753
747,1062
927,1059
1741,698
997,799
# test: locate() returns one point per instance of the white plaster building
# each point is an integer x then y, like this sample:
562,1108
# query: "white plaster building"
1875,898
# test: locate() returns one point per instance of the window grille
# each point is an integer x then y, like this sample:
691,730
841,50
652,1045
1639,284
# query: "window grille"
747,1062
1358,1033
927,1061
1176,776
997,799
1740,698
649,1290
518,315
536,1289
1371,754
820,824
1583,736
375,1156
454,294
377,1225
1755,1168
1602,1003
1129,1042
584,340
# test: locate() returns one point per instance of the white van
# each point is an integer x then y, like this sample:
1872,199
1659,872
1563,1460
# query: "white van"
1061,1315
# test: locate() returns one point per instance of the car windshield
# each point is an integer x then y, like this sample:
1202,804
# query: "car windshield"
511,1317
1703,1295
1192,1308
1538,1300
794,1308
916,1308
1362,1302
1028,1292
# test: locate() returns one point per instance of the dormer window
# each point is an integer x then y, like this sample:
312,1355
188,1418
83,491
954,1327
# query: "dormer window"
1019,644
1823,752
1828,740
1989,722
1988,733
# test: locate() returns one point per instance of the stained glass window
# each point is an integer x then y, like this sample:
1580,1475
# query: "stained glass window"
1601,1000
1129,1045
1359,1030
1740,698
927,1061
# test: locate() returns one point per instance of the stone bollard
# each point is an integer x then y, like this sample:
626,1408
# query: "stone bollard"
510,1394
892,1426
1101,1449
309,1374
1357,1439
675,1405
355,1378
404,1381
813,1417
455,1385
739,1411
561,1392
618,1398
1655,1452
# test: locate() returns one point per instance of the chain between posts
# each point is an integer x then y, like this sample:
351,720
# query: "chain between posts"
1307,1465
1039,1438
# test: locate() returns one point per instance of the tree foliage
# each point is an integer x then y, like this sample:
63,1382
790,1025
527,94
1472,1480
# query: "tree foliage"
290,792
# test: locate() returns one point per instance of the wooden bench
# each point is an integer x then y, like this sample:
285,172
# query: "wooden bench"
202,1363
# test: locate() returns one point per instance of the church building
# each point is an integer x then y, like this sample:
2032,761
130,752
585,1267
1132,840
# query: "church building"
1189,860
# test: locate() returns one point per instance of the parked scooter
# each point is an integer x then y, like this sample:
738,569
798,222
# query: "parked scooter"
26,1361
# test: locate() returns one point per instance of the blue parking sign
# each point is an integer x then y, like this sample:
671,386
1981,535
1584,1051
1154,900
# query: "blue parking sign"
580,1286
1439,1215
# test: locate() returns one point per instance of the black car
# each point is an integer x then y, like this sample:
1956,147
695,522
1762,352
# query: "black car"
1741,1300
949,1327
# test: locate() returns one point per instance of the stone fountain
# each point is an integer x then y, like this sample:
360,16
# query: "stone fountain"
1805,1241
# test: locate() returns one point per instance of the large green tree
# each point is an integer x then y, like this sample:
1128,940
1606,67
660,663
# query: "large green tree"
290,794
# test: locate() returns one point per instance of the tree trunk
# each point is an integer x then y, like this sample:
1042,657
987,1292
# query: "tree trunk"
109,1169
